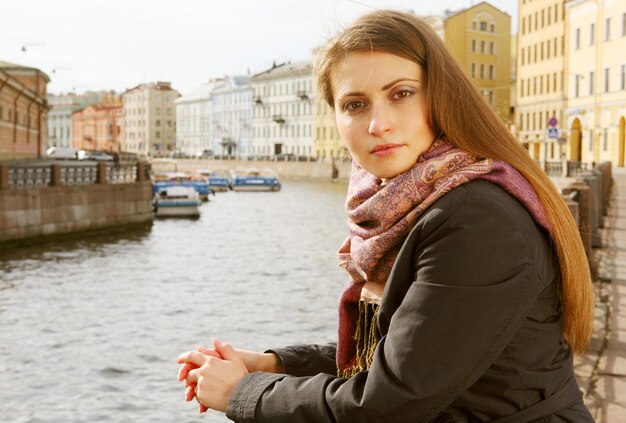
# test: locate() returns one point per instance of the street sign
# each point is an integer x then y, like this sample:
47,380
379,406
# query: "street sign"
553,133
553,122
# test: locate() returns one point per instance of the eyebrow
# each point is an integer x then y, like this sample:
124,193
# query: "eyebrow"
385,87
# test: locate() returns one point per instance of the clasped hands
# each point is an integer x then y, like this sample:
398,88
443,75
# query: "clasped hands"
210,375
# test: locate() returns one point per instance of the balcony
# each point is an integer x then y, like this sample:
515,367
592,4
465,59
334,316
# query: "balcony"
258,101
278,119
302,95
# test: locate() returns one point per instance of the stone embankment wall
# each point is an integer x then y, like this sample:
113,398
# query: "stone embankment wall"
319,171
27,214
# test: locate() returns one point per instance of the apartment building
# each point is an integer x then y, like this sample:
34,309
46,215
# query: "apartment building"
596,81
23,112
232,117
479,37
540,118
99,127
194,119
62,108
150,119
283,115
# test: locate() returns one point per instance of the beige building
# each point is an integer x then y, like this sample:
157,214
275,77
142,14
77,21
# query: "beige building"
596,81
99,127
283,111
150,119
23,112
479,38
540,77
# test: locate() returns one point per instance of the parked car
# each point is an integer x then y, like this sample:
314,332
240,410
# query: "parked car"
99,156
63,153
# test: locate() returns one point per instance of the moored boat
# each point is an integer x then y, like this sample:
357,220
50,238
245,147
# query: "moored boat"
254,180
171,179
177,201
218,181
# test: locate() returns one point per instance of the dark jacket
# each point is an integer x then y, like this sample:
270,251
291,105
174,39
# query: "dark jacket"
470,325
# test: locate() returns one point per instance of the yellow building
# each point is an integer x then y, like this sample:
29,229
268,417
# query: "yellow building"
596,81
328,144
540,77
480,39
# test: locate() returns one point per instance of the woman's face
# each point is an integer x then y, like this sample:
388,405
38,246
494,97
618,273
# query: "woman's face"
380,107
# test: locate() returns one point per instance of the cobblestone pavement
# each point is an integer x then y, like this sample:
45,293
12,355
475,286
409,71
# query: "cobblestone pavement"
601,372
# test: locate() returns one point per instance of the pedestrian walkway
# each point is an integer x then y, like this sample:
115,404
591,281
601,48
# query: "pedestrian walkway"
601,372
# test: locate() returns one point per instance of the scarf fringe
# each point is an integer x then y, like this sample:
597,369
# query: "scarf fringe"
366,337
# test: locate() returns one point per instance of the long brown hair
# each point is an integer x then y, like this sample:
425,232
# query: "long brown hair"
458,112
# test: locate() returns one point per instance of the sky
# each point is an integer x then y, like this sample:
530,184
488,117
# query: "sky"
117,44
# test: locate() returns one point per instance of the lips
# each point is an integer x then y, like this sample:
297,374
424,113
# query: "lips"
386,149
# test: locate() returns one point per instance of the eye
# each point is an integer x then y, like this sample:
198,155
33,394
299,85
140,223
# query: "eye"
353,105
402,94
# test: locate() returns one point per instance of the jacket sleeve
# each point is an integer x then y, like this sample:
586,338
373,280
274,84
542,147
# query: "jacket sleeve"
473,285
308,360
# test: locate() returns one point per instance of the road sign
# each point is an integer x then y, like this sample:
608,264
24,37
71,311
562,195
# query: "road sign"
553,122
553,133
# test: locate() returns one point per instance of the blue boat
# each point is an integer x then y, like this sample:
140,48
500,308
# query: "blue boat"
218,181
254,180
181,179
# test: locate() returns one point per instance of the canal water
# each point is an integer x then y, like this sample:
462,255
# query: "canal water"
90,328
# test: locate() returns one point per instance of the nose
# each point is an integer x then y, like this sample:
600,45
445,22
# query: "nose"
380,121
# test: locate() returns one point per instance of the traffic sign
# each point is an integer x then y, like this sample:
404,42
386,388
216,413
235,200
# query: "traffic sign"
553,133
553,122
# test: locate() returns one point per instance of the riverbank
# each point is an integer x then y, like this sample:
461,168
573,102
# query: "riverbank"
288,170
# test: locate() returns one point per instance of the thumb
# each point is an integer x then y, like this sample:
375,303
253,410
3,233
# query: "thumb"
226,351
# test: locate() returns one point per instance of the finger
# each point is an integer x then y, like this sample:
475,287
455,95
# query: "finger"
209,352
194,357
190,392
184,370
226,351
192,377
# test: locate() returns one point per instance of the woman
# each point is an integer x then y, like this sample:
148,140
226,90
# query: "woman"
469,287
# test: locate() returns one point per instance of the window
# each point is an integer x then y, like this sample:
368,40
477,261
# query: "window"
605,138
577,86
543,18
483,26
474,25
482,71
482,47
523,56
473,70
549,13
158,110
623,82
607,29
492,48
554,81
541,84
606,80
591,75
158,122
556,53
522,89
491,72
473,46
158,134
541,55
493,28
556,12
623,24
523,24
577,38
592,33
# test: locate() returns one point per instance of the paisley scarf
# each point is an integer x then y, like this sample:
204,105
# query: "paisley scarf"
380,217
